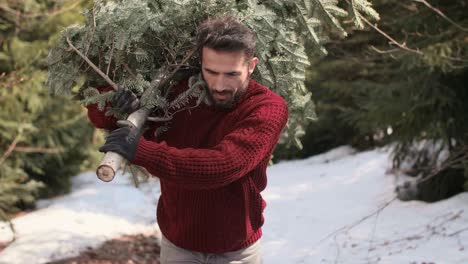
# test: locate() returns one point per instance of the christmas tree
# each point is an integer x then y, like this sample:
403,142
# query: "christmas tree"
145,45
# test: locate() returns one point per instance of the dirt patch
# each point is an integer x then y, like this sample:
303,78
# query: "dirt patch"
124,250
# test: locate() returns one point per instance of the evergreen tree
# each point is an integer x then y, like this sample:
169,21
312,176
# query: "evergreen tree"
403,81
136,42
43,140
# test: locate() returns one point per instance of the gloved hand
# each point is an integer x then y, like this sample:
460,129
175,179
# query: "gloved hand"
125,100
123,140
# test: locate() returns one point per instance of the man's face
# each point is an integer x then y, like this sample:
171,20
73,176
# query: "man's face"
226,74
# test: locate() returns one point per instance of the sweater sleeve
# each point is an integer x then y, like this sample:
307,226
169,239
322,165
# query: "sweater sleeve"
98,117
239,152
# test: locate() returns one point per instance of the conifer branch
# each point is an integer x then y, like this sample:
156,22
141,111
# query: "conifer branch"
54,13
187,108
442,15
461,155
182,63
95,68
402,46
91,37
7,18
40,14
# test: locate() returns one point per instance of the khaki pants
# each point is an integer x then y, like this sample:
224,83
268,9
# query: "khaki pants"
172,254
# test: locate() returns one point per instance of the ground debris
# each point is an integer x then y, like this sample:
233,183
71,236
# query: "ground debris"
133,249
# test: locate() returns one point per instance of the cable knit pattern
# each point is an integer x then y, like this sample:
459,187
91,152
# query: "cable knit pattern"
212,166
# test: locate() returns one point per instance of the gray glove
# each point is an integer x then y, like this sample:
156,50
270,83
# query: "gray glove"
125,100
124,140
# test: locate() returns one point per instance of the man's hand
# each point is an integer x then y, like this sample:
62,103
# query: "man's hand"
123,140
125,100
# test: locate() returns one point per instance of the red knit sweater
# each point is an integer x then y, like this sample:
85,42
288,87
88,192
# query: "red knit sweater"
212,167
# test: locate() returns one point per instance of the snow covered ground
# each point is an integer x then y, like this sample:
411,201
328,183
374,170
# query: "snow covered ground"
332,208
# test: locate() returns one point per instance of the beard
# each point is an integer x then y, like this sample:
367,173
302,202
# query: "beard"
226,104
229,103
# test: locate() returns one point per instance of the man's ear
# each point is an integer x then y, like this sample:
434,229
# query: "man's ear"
252,64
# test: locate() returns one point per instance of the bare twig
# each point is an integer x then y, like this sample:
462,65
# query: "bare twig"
95,68
401,45
429,229
441,14
182,63
460,156
110,59
134,173
168,77
380,209
38,150
90,38
349,227
10,148
459,231
383,51
337,250
129,71
371,242
3,216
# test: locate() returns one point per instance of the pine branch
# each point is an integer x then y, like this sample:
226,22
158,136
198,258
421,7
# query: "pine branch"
460,156
442,15
403,45
95,68
91,37
182,63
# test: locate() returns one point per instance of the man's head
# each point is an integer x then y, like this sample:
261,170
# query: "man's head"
226,49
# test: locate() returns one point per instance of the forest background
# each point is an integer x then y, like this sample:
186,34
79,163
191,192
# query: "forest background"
398,82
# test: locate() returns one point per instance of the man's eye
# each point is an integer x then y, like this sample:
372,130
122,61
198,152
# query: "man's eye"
209,72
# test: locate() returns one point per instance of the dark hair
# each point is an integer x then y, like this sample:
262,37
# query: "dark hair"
226,34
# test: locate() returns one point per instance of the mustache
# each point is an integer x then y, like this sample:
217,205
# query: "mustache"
222,92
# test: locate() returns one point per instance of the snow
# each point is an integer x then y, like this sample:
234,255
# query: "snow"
337,207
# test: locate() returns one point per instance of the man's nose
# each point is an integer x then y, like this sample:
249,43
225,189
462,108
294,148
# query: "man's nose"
219,84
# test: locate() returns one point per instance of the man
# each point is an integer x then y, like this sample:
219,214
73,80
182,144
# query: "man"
212,161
